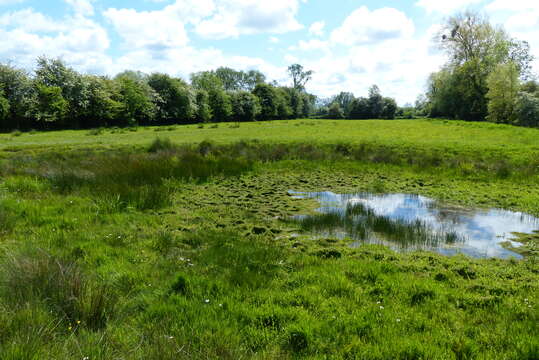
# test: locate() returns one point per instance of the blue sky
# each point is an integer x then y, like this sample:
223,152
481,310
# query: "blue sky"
350,44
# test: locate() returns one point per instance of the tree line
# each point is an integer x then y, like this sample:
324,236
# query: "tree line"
488,75
346,106
56,96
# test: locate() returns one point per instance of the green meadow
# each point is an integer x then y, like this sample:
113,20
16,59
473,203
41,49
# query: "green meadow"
175,243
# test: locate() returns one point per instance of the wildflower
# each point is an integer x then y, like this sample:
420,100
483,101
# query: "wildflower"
398,320
381,307
69,328
207,301
220,305
78,322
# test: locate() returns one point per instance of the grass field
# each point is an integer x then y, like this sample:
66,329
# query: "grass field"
114,246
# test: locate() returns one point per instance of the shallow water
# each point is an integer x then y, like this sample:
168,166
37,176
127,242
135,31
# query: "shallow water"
411,222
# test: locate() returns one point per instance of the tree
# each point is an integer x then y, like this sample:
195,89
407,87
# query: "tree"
345,99
136,106
475,50
389,108
206,80
245,106
4,109
360,109
203,109
335,111
268,99
102,108
54,72
51,107
251,79
220,105
376,102
175,100
527,110
20,92
299,76
503,88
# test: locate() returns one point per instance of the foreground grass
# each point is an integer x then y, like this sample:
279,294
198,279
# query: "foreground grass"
210,270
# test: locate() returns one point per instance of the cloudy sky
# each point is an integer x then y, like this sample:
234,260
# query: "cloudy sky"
350,44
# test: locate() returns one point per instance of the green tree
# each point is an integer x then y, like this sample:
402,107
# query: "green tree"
245,106
268,99
527,110
335,111
175,101
376,102
51,107
20,92
203,109
503,88
220,105
4,110
389,108
136,105
299,76
54,72
284,101
206,80
345,99
103,106
360,109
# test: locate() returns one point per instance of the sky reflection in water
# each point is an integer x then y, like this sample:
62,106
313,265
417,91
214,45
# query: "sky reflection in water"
480,232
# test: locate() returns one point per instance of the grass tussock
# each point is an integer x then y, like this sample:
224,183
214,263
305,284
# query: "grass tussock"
35,277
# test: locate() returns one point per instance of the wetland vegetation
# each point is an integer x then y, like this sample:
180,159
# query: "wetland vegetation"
118,246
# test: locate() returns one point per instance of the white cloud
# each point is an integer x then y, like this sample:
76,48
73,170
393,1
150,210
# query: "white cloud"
27,34
274,39
311,45
513,5
317,28
82,7
446,7
239,17
370,27
521,19
155,30
30,20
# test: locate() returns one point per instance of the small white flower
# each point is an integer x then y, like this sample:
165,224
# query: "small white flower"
398,320
207,301
378,302
220,305
381,307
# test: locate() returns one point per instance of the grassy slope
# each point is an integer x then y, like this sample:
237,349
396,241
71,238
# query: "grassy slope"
214,273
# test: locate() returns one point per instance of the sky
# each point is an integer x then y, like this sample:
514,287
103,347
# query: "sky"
349,44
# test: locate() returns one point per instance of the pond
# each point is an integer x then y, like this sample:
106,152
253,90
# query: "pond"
410,222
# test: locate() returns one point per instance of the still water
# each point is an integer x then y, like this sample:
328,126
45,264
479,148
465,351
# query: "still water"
411,222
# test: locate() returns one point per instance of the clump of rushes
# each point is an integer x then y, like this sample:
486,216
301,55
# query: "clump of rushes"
38,278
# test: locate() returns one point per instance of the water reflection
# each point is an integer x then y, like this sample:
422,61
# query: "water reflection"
411,222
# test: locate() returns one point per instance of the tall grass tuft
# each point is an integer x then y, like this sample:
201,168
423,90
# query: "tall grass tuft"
40,278
161,144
